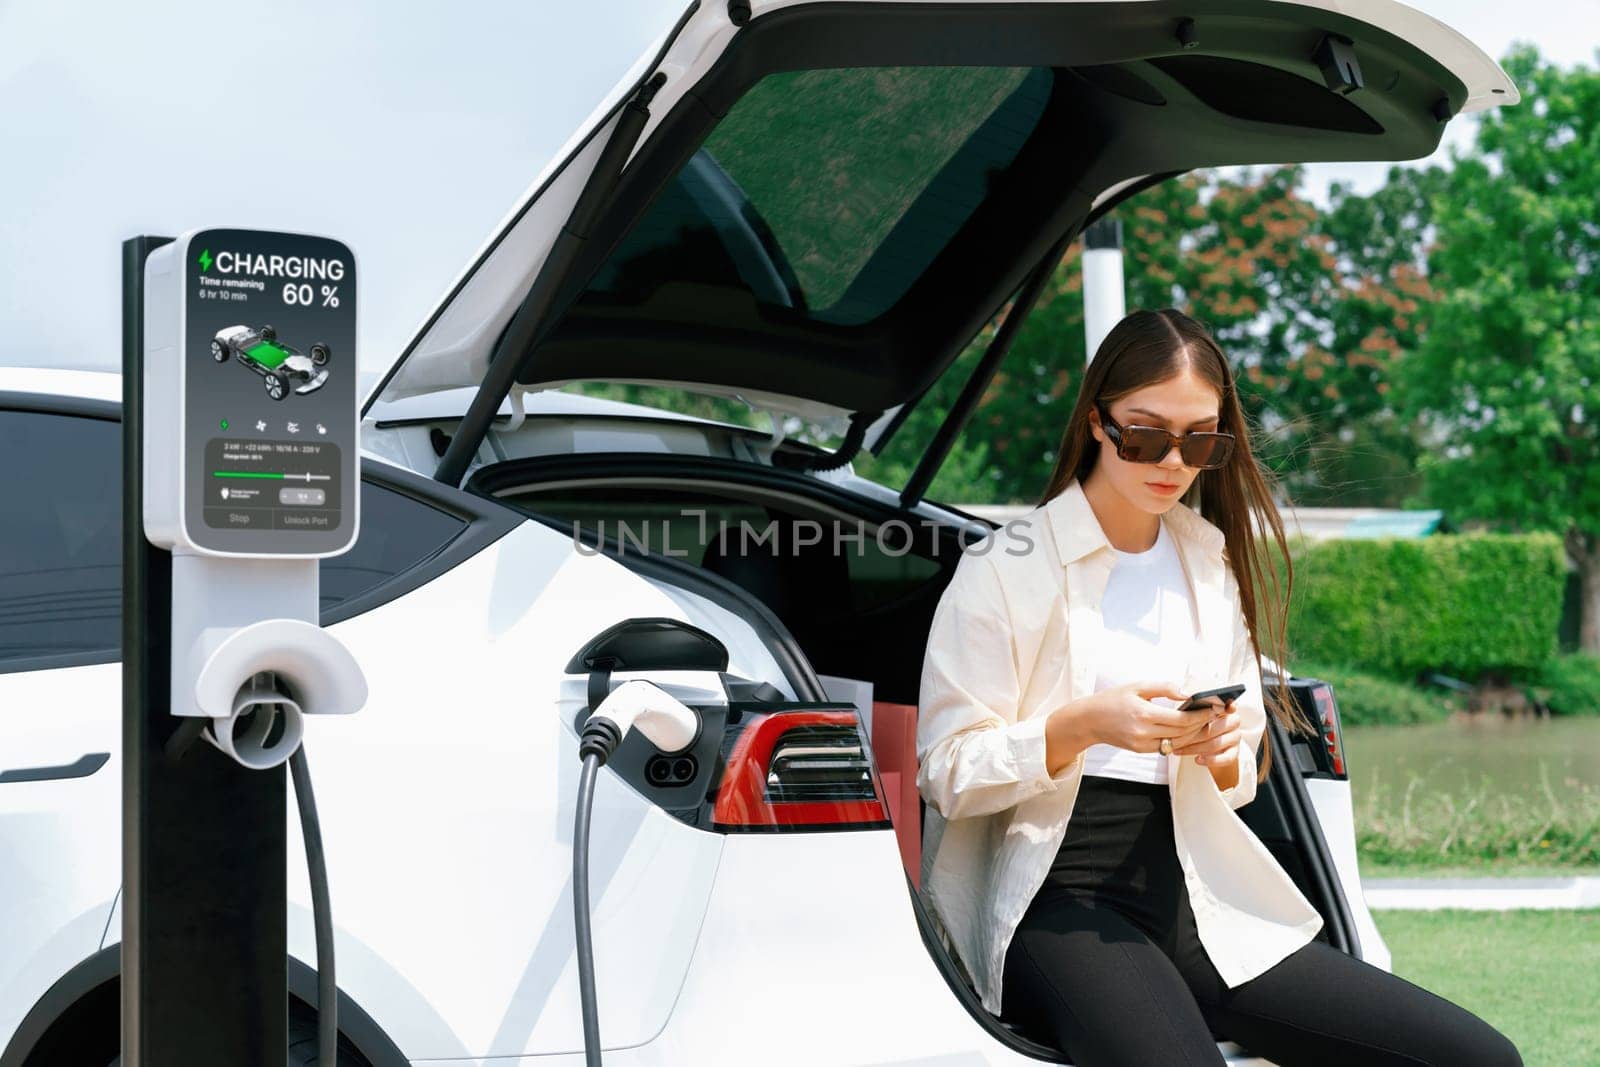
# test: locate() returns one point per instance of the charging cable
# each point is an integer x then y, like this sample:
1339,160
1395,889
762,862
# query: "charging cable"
321,909
671,727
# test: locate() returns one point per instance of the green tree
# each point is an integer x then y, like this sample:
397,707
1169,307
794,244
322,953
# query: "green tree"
1365,454
1507,375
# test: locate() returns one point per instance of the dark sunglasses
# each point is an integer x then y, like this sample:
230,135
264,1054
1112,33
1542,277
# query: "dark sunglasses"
1149,444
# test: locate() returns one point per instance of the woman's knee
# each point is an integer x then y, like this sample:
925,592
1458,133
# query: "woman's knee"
1464,1039
1492,1049
1321,991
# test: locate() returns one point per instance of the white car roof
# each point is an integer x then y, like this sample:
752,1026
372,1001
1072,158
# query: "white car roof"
447,404
48,381
452,403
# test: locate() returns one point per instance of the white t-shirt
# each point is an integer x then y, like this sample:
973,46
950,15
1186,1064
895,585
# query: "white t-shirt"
1149,635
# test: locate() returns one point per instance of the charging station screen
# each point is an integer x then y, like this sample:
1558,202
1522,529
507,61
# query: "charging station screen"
270,369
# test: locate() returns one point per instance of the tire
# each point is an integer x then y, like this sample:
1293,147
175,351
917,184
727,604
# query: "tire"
219,351
276,388
268,333
303,1045
319,354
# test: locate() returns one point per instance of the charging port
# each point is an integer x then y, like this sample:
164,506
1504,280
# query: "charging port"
671,770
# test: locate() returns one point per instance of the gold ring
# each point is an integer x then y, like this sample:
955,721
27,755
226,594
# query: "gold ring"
1166,746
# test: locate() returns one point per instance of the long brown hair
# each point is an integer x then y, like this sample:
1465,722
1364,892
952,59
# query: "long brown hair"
1147,347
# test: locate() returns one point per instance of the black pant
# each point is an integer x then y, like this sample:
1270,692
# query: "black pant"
1106,959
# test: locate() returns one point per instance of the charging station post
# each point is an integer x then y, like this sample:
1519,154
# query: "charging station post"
239,473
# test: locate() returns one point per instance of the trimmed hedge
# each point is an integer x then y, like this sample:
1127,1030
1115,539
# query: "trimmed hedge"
1465,604
1570,685
1368,700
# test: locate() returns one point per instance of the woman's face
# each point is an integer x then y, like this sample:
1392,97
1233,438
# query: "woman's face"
1180,404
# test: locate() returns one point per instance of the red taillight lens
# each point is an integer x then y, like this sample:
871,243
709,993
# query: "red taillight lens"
1323,695
798,770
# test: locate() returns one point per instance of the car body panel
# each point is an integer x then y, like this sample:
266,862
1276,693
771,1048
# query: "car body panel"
1336,814
60,836
88,385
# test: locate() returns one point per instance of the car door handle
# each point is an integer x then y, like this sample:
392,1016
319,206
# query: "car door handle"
82,767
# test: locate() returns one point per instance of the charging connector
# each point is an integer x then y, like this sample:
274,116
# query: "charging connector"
661,717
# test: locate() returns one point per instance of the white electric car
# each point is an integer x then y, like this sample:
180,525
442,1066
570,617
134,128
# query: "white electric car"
822,204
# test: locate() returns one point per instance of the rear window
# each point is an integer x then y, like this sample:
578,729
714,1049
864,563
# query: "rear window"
827,192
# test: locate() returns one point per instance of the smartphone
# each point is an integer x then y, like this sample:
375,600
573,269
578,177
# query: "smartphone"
1227,694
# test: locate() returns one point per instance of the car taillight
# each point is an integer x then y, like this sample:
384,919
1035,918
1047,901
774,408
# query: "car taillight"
1320,755
1322,695
796,770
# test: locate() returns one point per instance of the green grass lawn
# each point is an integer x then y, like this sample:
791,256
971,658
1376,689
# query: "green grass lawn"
1533,975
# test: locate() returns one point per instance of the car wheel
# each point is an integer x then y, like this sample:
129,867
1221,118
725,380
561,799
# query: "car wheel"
319,354
268,333
303,1050
275,387
303,1044
219,351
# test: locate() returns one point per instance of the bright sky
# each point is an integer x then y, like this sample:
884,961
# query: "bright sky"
1565,32
405,130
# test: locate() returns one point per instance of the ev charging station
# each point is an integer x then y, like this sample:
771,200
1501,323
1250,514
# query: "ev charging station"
241,472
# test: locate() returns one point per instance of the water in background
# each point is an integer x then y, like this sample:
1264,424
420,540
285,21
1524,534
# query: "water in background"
1491,754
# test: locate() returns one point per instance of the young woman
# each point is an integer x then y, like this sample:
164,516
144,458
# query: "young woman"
1082,852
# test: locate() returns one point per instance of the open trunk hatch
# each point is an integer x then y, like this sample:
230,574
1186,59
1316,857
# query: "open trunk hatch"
828,202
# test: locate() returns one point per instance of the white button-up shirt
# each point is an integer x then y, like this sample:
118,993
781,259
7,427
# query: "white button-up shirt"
1013,639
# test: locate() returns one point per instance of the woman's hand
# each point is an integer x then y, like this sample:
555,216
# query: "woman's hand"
1124,716
1217,745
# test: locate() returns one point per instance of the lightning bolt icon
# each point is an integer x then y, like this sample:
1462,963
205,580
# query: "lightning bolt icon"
205,260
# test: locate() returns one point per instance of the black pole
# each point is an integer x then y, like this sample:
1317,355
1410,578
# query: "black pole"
204,947
967,402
